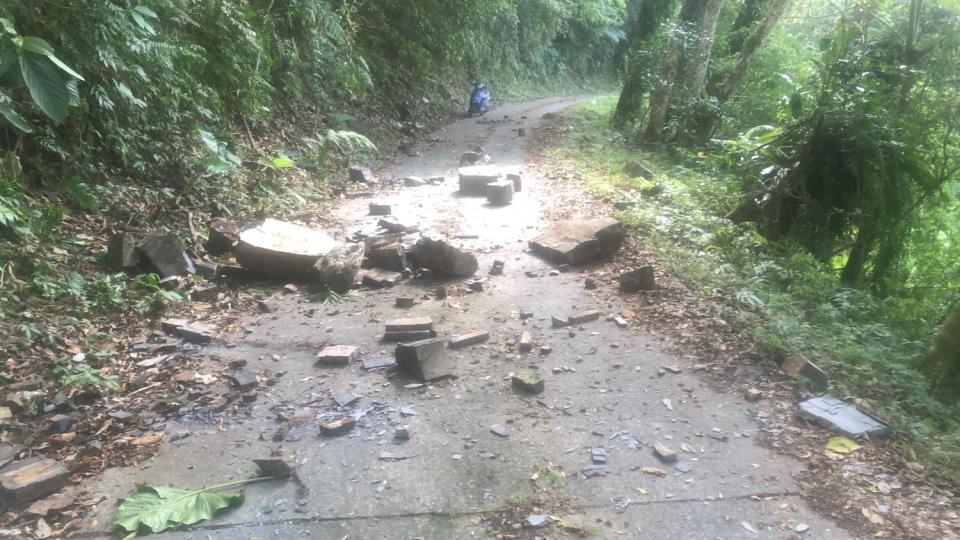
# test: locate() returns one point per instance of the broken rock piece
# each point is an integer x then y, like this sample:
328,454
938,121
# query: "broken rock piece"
362,175
31,478
472,338
641,279
379,209
425,359
338,269
122,253
380,278
844,418
395,227
338,426
664,453
800,366
163,253
584,316
281,249
528,382
500,193
222,237
443,258
337,355
580,241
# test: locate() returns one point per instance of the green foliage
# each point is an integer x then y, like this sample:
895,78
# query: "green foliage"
85,376
157,509
790,301
155,299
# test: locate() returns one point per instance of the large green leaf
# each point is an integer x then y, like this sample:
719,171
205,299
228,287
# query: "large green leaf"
47,85
7,111
39,46
162,508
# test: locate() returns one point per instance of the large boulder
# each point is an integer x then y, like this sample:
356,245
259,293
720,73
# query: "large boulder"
338,268
580,241
444,259
222,237
283,250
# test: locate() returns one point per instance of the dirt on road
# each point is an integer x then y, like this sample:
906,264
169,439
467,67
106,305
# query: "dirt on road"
606,393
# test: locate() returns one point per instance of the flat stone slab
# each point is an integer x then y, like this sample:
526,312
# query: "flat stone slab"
843,417
465,340
445,259
30,479
580,241
337,355
164,254
410,324
281,249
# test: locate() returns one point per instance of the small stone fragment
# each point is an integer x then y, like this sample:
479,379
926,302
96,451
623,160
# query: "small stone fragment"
404,302
545,350
497,268
361,174
664,453
654,471
476,285
683,466
599,455
377,362
380,278
402,433
395,227
528,382
244,380
500,430
526,341
558,322
413,181
517,181
753,395
122,252
641,279
338,426
590,284
620,322
164,254
589,471
584,317
345,399
537,521
472,338
379,209
337,355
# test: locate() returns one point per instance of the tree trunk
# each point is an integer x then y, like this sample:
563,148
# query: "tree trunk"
750,12
644,24
697,66
723,85
690,15
942,363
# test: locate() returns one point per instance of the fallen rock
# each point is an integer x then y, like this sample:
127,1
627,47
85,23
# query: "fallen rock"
584,317
379,209
528,382
474,180
500,193
537,521
559,322
844,418
580,241
664,453
339,267
404,302
598,455
500,430
636,169
800,366
753,395
338,426
281,249
244,380
222,237
205,294
30,479
425,359
389,253
465,340
378,362
402,433
122,253
395,227
474,157
526,341
517,180
590,284
413,181
345,399
497,268
163,254
641,279
337,355
362,175
441,257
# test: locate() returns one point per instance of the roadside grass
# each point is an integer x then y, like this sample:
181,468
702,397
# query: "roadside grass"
775,294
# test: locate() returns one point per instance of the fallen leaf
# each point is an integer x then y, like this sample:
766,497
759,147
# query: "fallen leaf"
53,503
148,439
654,471
842,445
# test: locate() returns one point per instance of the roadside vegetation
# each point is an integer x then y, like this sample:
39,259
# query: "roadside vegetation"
806,160
142,115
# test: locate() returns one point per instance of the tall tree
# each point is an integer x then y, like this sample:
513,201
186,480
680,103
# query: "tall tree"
942,363
686,29
645,18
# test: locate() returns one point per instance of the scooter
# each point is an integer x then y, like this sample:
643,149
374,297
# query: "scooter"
479,99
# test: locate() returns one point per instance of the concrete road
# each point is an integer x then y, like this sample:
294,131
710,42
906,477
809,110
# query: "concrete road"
454,478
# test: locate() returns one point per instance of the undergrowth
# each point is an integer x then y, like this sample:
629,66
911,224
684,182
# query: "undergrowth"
776,293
